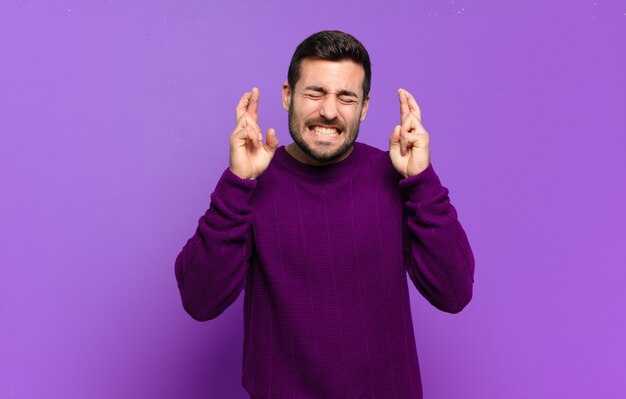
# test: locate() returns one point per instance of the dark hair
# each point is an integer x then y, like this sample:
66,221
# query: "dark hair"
331,45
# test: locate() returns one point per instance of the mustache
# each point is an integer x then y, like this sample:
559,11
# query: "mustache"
326,122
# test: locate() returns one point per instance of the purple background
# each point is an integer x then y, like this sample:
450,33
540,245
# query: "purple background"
114,121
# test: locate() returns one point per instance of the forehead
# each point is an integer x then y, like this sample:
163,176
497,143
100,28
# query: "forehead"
331,75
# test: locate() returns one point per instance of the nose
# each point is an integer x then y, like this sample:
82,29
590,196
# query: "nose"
329,107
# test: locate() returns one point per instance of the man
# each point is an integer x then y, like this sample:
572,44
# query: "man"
321,234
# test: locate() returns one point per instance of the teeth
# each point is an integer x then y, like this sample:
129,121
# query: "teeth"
325,131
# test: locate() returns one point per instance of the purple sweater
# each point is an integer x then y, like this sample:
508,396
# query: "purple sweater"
322,253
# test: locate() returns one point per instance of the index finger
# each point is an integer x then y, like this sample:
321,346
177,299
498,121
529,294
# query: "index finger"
242,106
253,105
404,106
413,107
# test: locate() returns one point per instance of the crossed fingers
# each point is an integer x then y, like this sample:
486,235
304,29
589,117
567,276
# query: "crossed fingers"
247,114
249,102
408,106
410,127
248,106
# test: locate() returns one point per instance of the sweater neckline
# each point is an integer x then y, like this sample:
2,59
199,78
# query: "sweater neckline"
313,172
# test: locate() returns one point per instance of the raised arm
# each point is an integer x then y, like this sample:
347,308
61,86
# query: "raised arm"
211,268
438,256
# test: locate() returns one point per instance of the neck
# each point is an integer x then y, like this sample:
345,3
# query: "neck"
295,151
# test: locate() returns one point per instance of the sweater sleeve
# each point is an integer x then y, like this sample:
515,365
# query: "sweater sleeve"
438,256
211,268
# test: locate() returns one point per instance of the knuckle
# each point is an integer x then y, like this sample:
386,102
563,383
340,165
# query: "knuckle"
235,134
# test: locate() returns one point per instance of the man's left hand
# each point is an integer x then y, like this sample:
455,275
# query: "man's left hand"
409,143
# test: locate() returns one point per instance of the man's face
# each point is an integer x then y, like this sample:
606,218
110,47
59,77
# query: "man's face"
325,109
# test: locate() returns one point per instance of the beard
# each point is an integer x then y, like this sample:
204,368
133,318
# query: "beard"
317,154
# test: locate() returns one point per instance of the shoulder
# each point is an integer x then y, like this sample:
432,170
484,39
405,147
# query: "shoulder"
374,156
368,151
378,161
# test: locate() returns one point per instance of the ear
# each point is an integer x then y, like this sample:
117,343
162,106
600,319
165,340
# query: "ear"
366,104
286,96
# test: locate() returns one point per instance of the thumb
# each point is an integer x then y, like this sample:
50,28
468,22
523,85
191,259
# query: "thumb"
271,141
394,140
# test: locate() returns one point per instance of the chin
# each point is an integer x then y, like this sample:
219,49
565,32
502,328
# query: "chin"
325,153
322,147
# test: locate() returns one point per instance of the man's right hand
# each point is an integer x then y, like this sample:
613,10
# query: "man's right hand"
249,157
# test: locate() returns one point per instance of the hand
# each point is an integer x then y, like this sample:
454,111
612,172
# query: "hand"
409,142
249,157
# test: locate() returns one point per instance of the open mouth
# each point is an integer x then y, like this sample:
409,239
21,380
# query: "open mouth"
326,131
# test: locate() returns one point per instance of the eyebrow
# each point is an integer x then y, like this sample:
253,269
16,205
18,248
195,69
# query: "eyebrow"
324,91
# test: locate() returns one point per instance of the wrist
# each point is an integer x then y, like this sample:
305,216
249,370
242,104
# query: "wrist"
239,174
423,185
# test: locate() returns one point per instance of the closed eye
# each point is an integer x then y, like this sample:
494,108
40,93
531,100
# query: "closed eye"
314,96
344,99
347,100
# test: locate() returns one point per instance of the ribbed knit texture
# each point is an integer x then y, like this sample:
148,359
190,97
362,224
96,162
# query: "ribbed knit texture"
323,255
